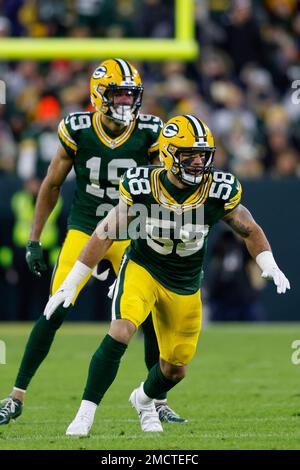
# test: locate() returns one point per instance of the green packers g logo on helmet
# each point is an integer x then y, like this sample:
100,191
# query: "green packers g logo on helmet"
99,72
170,130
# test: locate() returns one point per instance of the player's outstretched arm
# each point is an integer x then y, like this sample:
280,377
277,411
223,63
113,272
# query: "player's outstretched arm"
242,222
94,250
58,169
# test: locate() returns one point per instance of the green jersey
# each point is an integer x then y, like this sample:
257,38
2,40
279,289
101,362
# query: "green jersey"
100,160
175,223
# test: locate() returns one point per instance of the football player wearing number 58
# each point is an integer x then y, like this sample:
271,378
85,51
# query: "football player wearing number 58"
162,268
100,146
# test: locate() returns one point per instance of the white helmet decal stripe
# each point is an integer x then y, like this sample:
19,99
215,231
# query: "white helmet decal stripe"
126,71
199,127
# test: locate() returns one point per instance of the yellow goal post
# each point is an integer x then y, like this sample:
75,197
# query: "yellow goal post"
182,47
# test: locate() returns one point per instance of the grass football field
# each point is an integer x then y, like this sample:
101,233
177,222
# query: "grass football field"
242,392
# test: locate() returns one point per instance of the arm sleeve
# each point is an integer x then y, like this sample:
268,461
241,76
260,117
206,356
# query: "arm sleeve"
153,149
234,197
124,190
232,201
67,137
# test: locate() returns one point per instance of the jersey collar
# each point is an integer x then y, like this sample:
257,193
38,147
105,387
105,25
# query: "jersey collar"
164,198
108,140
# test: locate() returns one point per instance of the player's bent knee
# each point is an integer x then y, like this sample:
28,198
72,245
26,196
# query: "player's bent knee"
172,372
122,330
179,354
183,354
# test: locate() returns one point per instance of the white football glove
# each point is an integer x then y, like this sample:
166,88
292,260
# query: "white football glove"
271,271
65,294
280,280
67,291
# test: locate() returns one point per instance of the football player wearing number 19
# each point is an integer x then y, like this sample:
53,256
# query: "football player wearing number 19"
100,146
161,272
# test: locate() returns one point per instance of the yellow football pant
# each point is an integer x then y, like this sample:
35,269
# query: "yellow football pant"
176,318
73,244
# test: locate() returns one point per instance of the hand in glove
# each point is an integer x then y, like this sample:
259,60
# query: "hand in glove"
35,258
271,271
64,295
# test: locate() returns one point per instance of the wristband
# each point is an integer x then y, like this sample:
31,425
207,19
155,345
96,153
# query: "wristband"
77,274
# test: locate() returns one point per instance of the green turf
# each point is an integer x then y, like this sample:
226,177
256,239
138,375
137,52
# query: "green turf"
241,392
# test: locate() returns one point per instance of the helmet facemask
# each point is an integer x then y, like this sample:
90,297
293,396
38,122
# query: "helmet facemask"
187,170
122,112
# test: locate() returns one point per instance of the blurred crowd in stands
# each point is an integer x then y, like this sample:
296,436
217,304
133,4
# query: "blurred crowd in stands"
245,84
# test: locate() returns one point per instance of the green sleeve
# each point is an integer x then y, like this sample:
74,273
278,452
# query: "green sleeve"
153,150
234,197
225,194
124,190
67,136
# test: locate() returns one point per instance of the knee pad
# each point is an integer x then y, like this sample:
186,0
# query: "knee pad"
182,354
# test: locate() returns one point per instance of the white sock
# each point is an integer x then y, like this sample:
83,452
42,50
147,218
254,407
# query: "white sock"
160,402
87,408
142,397
19,389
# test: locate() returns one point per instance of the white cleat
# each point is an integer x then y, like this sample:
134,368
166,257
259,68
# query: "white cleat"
147,413
80,426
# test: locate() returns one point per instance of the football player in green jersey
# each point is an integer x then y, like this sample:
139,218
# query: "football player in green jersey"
162,268
100,146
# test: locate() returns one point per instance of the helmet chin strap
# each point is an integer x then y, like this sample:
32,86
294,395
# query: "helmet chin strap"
122,114
183,177
190,179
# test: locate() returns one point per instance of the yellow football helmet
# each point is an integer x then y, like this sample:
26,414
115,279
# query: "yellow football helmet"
182,141
110,79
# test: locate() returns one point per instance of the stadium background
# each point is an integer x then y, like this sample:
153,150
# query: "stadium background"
240,83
